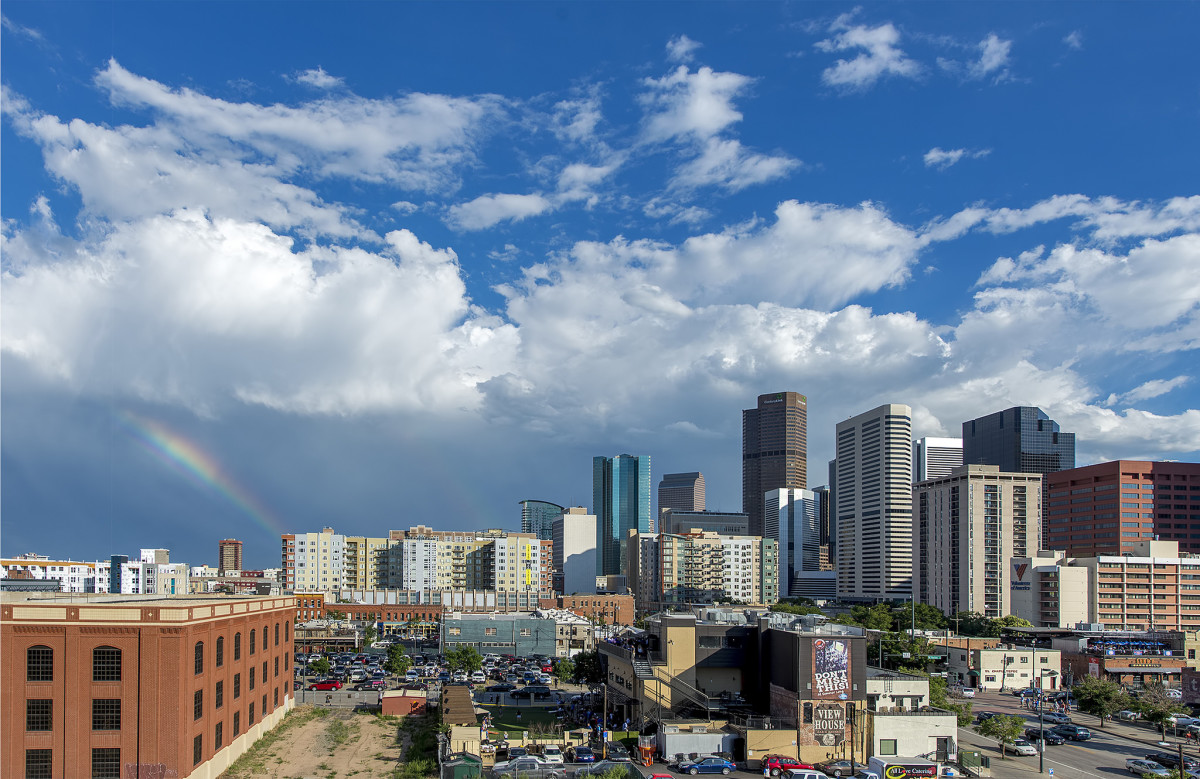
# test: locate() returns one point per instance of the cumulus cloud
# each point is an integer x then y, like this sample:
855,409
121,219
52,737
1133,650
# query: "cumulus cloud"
681,48
1150,389
941,159
993,58
878,56
489,210
317,77
576,119
728,164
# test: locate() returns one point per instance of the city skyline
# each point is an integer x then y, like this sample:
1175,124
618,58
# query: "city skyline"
379,285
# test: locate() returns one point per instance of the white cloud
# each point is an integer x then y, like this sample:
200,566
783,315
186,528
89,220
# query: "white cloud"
1074,40
20,29
879,55
577,119
509,253
317,77
941,159
1150,389
681,49
405,207
489,210
993,58
683,104
726,163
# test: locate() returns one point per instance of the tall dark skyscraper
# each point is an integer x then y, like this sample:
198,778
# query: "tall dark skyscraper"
682,491
621,502
774,450
537,517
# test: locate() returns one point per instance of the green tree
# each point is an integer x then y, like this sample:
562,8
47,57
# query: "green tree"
588,668
877,617
370,635
321,667
1100,697
797,606
1005,728
1156,707
1011,621
397,662
927,617
971,623
334,614
939,698
464,658
564,669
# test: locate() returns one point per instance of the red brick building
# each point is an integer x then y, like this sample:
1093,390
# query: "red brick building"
607,609
128,686
1104,509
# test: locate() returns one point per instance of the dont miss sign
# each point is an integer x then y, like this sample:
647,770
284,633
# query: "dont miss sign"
831,668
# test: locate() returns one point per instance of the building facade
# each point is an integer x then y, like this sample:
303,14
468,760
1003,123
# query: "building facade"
723,522
1107,508
314,561
537,518
774,450
688,568
605,609
967,526
72,576
140,686
934,458
621,503
682,491
574,549
229,555
516,634
792,519
874,505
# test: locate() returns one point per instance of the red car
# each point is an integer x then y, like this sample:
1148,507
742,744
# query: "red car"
777,764
326,684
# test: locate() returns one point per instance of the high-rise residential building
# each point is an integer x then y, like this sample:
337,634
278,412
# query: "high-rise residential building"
774,450
675,569
726,523
152,573
574,532
1105,509
934,458
827,548
967,528
314,562
874,505
833,531
229,555
792,519
365,564
537,517
680,491
621,503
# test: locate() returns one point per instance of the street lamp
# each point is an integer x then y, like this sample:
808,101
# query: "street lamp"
1041,735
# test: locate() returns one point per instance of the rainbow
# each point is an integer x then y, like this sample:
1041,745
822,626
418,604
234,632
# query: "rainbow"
197,465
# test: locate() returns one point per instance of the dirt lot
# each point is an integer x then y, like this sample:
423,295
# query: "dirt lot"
313,742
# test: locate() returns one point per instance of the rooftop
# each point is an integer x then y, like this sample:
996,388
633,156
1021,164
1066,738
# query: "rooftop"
109,599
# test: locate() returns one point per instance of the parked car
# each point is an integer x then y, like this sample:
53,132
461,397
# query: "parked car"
580,755
375,684
1073,732
529,766
420,686
1181,721
777,764
1049,736
326,684
1023,748
502,687
601,767
707,765
616,752
1171,760
1128,715
552,753
1056,718
1140,767
984,715
839,768
479,677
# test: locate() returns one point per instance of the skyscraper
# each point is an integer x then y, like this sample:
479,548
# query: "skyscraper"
774,450
575,551
792,517
874,505
229,555
934,458
621,502
682,491
537,517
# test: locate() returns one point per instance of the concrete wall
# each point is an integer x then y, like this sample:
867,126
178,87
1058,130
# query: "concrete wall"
916,733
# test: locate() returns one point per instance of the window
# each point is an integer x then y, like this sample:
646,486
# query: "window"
287,631
106,763
276,696
197,749
39,714
264,708
277,666
38,763
276,634
220,651
264,676
219,696
455,631
887,746
39,664
219,736
250,716
237,690
197,704
237,723
265,637
237,647
253,639
199,658
251,677
106,714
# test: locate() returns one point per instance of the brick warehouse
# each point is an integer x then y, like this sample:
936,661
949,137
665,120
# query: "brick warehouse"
139,687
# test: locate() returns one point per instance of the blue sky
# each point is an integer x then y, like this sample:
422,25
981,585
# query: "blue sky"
279,266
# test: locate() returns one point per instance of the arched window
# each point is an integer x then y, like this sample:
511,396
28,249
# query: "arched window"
253,641
39,664
276,634
266,636
237,647
287,631
199,661
220,651
106,664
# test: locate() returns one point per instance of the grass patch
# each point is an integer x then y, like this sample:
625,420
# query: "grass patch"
505,718
254,759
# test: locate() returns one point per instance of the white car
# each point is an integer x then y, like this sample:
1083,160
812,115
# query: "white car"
967,692
1056,718
460,676
1128,715
479,677
1023,748
1181,721
552,754
1141,767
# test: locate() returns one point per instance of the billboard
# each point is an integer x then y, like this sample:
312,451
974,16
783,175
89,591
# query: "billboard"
829,724
831,668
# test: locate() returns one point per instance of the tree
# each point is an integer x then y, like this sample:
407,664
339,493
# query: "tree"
1156,707
971,623
370,634
397,662
939,698
877,617
927,617
1005,728
321,666
588,668
334,614
464,658
564,669
796,606
1011,621
1100,697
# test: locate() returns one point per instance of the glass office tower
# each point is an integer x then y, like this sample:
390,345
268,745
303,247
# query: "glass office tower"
537,517
621,502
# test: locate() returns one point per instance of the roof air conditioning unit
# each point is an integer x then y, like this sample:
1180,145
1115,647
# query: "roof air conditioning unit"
699,728
670,729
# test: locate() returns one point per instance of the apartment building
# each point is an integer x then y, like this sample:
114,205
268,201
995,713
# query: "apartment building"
314,562
703,567
123,686
966,528
72,576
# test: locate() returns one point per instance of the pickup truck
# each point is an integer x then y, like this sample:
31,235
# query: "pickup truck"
529,767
